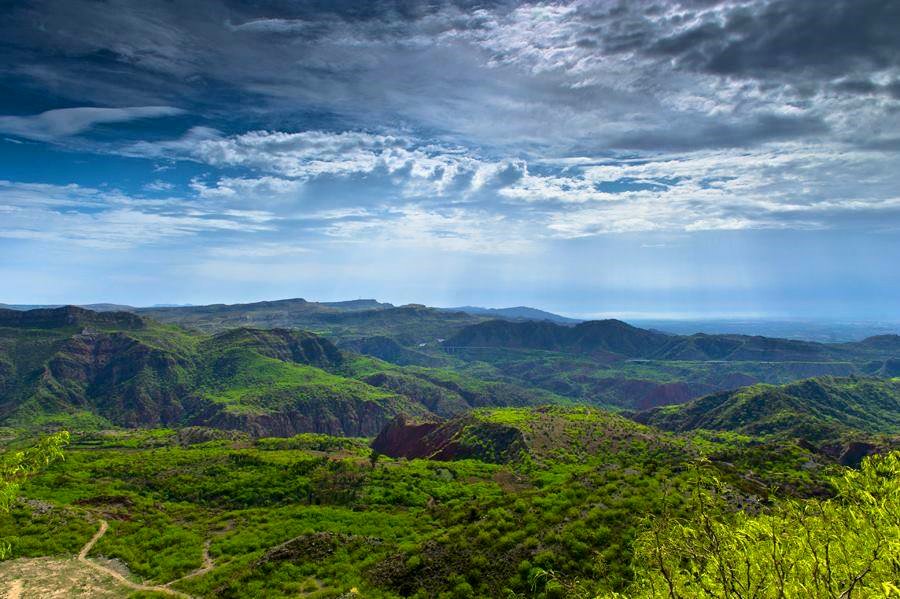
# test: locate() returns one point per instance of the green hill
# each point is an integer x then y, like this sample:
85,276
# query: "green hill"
592,337
502,435
617,339
73,367
820,410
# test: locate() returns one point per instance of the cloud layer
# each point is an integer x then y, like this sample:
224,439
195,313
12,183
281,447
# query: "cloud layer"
462,127
64,122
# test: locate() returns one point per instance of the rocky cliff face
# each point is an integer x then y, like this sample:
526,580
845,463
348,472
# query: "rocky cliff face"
459,438
117,375
403,437
343,419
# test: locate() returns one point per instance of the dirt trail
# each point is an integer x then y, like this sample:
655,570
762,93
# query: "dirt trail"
82,557
208,565
15,590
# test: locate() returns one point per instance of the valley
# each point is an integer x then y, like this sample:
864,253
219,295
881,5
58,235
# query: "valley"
371,456
450,299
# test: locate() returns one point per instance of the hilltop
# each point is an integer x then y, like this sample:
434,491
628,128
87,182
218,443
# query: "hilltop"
824,410
503,435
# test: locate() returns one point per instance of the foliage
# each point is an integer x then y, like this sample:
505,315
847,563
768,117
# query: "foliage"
841,547
563,516
17,465
86,371
821,409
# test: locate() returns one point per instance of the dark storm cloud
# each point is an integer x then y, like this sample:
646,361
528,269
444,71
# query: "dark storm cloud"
529,78
262,59
865,87
792,37
765,127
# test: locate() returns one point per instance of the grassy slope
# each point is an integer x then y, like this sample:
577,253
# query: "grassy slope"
573,506
817,409
247,382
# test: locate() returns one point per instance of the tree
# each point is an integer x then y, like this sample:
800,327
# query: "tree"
16,466
373,458
844,547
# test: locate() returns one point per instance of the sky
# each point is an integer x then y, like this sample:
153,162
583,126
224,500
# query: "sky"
693,158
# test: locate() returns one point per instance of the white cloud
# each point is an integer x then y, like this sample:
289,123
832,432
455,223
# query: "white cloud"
159,185
265,187
305,154
110,219
259,250
417,168
64,122
455,229
777,185
272,26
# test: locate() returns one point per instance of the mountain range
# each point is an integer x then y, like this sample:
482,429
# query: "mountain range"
100,368
299,312
71,365
228,459
516,313
617,339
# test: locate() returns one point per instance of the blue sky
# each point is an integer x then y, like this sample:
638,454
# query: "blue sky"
693,158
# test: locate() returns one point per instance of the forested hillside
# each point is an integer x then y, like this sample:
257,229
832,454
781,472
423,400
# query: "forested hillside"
241,461
75,367
820,410
546,502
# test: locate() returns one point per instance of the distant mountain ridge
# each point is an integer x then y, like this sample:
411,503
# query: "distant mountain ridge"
68,316
515,313
617,338
92,307
302,313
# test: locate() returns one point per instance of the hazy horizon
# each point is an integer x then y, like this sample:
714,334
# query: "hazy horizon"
645,318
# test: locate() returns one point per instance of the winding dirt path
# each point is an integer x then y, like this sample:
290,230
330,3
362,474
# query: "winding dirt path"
82,557
208,564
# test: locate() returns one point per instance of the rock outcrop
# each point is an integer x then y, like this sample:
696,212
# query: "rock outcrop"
459,438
